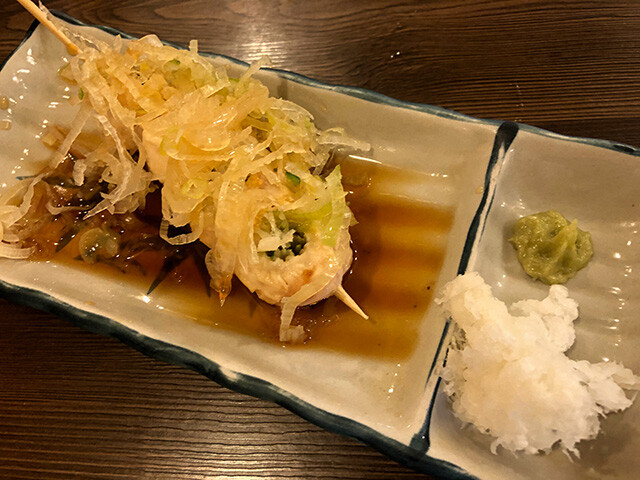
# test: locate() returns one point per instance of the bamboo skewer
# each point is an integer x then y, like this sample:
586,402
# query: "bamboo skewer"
73,49
344,297
39,15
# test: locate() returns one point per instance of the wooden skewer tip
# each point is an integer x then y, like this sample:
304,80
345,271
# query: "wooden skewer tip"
344,297
41,16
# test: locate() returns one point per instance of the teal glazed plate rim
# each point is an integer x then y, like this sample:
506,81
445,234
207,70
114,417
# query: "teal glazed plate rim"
496,141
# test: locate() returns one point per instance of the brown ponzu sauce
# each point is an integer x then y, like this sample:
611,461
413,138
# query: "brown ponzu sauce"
399,247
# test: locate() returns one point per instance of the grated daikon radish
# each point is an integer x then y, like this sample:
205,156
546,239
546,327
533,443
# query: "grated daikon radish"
507,373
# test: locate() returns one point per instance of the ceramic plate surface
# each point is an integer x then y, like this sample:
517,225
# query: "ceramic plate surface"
484,173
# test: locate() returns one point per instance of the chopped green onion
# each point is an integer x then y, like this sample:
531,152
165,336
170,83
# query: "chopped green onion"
81,94
293,178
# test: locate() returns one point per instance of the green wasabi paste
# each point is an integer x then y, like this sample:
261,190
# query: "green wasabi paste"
550,248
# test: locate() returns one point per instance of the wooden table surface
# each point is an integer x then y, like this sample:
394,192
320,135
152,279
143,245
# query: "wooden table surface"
77,405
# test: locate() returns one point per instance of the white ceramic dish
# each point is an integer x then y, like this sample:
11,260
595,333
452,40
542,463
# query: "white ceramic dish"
396,407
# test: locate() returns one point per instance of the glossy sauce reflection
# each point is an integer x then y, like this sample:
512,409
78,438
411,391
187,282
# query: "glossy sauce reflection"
399,246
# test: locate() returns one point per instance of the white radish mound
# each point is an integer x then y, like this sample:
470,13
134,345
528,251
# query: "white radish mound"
507,374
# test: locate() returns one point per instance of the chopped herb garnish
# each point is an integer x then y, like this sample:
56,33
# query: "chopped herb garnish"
293,178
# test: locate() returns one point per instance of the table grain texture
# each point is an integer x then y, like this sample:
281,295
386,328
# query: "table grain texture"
75,405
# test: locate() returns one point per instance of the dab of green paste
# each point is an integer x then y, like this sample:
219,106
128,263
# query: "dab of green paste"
550,248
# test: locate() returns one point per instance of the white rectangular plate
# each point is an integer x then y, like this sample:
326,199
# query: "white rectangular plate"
487,173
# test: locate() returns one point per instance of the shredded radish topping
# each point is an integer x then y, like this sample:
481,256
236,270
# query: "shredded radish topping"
240,169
